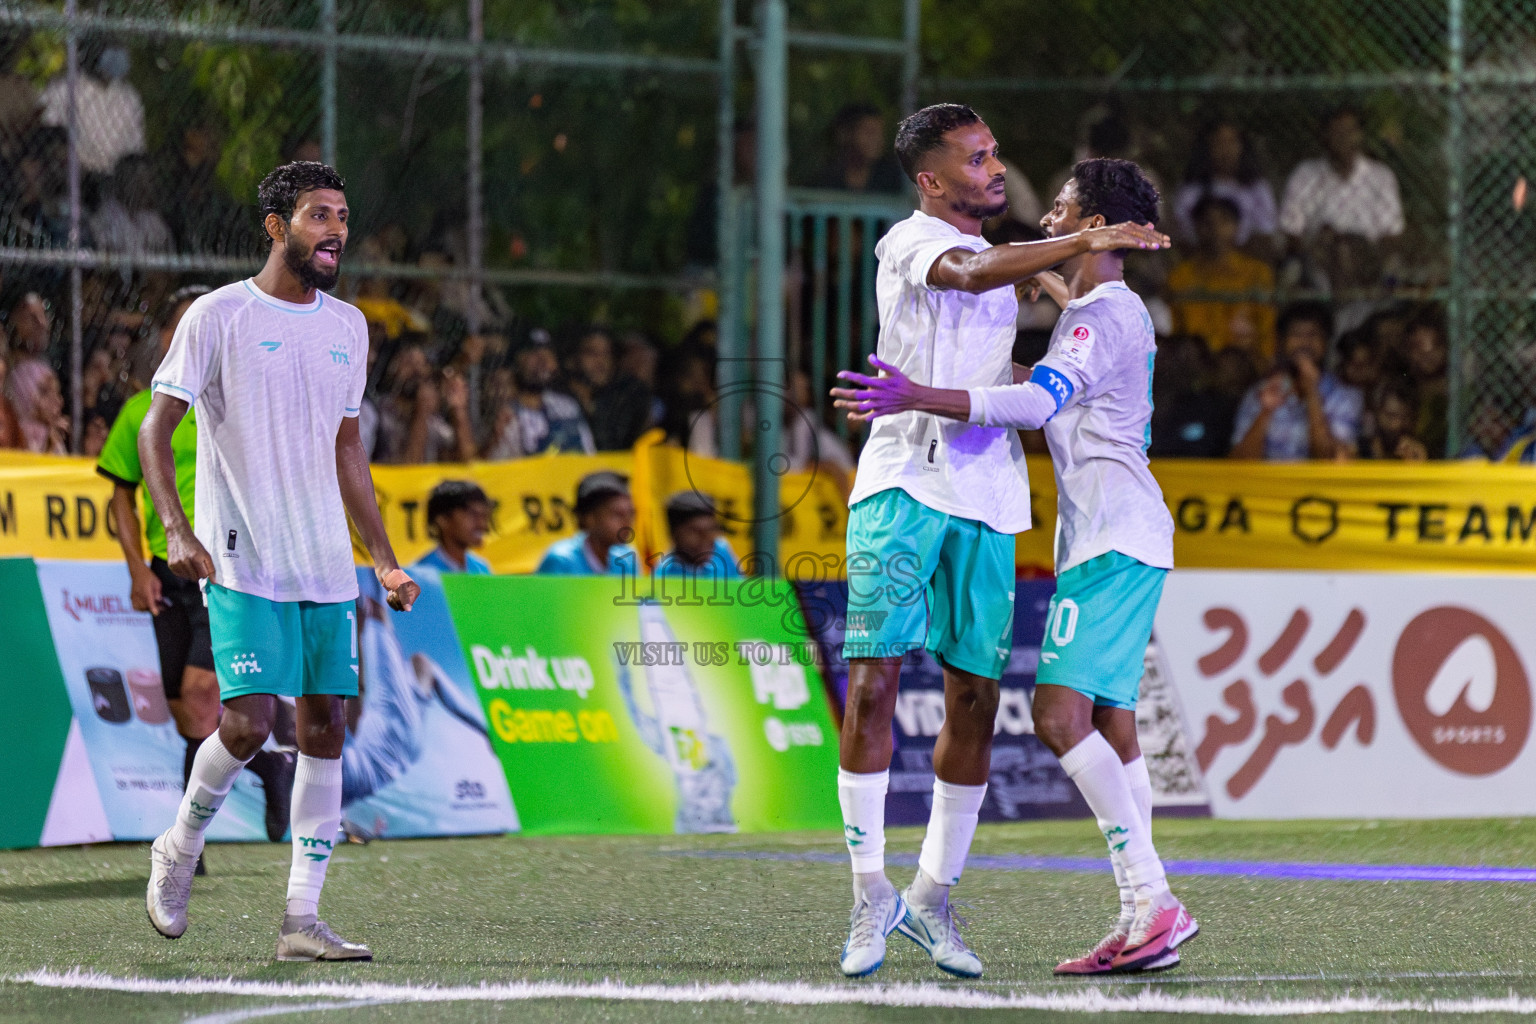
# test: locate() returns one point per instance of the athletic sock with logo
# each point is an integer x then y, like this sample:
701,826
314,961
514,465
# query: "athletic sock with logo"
862,796
1102,779
315,823
214,770
951,827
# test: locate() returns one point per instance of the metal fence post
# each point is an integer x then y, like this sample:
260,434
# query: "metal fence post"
911,34
328,83
76,284
474,229
772,144
731,344
1456,311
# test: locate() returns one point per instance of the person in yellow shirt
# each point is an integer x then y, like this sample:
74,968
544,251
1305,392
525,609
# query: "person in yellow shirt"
1219,267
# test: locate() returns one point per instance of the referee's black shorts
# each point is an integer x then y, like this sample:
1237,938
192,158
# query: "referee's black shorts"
181,629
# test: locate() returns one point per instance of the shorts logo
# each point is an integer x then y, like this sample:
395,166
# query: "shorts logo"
245,664
866,622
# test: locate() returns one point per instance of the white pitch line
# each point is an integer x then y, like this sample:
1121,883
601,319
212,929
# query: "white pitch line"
281,1010
784,994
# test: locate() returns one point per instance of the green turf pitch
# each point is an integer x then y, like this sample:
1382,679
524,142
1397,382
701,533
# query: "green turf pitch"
636,911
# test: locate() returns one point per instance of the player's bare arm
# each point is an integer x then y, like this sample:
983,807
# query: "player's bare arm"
357,494
894,392
1001,265
184,552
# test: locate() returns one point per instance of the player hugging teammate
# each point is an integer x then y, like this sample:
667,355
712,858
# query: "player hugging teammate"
948,406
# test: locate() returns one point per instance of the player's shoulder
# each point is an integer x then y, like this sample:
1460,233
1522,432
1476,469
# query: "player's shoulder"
220,302
921,229
346,312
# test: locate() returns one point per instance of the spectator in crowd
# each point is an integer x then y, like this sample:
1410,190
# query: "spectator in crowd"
31,327
807,442
35,206
33,390
699,548
458,516
1491,429
19,108
10,425
1299,411
205,218
638,358
537,418
1107,136
1392,416
618,408
1198,286
413,427
1192,417
126,220
110,119
689,418
1342,208
863,160
1425,352
1225,163
605,519
1360,366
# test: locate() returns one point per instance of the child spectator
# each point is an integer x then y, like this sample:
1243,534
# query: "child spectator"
698,547
458,516
1393,414
605,513
1300,411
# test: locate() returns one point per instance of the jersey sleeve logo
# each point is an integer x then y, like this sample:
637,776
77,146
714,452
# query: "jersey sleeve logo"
1077,346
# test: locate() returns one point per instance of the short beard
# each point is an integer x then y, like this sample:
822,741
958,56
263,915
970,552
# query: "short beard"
980,212
304,268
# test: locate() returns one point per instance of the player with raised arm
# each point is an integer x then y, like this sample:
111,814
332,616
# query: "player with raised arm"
931,523
276,369
1114,542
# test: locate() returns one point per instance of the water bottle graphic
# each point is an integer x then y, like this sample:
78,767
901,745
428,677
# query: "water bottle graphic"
108,695
677,728
148,695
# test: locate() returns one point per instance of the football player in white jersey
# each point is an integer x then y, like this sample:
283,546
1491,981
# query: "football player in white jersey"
931,523
1092,392
276,369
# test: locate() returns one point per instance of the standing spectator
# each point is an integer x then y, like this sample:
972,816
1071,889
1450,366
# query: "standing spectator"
618,408
110,121
33,389
862,157
126,221
1225,163
605,517
1299,411
537,418
1392,416
699,548
1218,268
458,516
1341,208
1426,355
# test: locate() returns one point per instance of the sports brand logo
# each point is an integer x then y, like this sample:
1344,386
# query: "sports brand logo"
340,358
1462,691
271,346
245,664
312,848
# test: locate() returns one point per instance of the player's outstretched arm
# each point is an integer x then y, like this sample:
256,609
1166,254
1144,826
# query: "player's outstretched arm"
966,271
184,552
1026,406
357,494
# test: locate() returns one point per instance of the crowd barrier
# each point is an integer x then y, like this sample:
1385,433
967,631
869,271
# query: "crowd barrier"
561,705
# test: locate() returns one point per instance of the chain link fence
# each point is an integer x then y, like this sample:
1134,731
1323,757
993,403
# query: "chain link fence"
594,194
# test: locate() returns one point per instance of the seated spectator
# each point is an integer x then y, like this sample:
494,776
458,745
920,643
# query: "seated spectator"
638,359
1490,429
1392,415
31,327
1299,411
1191,417
412,427
1360,366
126,220
1218,268
35,209
863,160
1340,209
618,408
1426,355
93,435
605,515
458,516
689,417
807,442
699,548
1107,135
537,418
33,390
1224,163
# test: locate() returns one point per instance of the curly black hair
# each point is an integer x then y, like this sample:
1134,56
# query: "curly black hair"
279,191
923,132
1117,189
450,496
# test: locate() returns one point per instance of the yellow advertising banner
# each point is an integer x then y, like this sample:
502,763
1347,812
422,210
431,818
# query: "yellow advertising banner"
1435,516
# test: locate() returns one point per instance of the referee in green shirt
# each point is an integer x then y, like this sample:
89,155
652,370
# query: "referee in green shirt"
180,616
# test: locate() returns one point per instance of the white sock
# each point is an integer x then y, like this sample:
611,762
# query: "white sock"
315,822
1127,893
862,796
214,771
1141,788
1096,768
951,826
